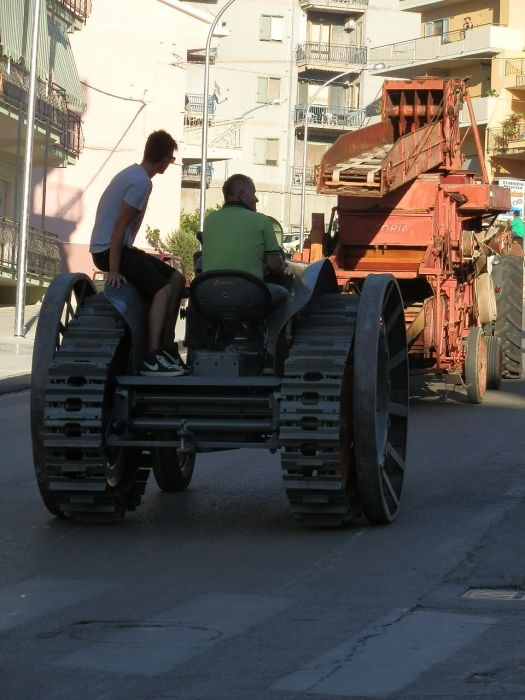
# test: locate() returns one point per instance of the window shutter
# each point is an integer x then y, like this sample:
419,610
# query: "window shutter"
277,29
262,90
274,91
272,151
266,28
429,29
302,94
258,151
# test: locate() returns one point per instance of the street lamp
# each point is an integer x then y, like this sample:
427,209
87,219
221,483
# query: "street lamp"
377,66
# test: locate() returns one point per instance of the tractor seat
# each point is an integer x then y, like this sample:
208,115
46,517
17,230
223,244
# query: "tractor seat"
230,295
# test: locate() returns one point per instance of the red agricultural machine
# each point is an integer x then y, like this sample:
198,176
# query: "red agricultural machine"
407,207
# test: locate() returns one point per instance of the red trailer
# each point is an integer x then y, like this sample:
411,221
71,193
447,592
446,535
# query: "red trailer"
406,206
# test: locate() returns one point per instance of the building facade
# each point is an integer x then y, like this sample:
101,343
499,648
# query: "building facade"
484,42
58,138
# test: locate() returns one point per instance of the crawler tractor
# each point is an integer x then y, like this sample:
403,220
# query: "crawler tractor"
408,208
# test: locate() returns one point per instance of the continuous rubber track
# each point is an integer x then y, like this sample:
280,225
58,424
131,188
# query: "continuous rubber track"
310,420
509,315
80,379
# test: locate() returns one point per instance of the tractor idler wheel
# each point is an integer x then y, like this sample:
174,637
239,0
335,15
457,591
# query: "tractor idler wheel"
494,361
380,398
476,366
173,470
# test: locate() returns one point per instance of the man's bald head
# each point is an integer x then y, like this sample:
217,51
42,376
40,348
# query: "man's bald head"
240,188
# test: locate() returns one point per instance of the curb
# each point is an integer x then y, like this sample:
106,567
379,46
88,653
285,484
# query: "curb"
11,384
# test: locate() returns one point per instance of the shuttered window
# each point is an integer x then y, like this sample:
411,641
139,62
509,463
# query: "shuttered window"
266,151
268,89
271,28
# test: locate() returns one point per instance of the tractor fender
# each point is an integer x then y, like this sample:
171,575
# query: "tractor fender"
134,309
316,279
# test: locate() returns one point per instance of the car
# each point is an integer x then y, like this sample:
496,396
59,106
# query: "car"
291,242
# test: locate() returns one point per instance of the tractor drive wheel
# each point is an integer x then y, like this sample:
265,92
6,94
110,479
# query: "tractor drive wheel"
509,314
65,296
380,398
172,469
494,361
476,366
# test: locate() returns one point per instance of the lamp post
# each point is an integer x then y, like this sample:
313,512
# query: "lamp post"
377,66
204,150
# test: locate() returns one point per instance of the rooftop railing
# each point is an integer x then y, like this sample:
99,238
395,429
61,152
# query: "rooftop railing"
344,54
324,115
43,251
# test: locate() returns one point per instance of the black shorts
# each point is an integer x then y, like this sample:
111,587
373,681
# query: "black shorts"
147,273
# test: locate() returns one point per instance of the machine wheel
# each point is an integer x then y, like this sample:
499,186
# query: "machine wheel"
509,315
64,297
476,366
380,398
494,361
173,470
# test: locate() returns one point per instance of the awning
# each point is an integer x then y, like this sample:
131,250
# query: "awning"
16,37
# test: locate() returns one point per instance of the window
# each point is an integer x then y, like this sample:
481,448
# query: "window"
268,89
271,28
266,151
439,27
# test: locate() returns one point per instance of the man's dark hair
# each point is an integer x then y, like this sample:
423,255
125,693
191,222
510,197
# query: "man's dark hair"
159,145
232,184
516,213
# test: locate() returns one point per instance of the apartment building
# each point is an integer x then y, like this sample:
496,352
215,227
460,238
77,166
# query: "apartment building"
277,55
484,41
58,137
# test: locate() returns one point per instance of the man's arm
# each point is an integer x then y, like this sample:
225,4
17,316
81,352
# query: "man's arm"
275,263
126,215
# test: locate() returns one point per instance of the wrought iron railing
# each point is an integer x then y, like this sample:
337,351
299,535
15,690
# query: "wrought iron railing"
50,105
315,52
330,116
80,8
43,251
226,133
195,104
503,140
297,177
192,173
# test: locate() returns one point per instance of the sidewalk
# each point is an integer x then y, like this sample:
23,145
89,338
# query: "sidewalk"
16,353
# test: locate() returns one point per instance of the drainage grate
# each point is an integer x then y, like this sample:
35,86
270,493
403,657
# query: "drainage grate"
494,594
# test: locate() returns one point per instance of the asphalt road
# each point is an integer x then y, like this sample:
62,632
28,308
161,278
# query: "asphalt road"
218,593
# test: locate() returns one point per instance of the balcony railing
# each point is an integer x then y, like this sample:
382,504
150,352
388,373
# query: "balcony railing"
297,177
43,252
326,116
333,4
516,66
199,55
80,8
192,173
505,141
226,133
195,104
341,54
50,105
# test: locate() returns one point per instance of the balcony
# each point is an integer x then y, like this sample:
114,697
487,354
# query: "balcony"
199,55
325,117
226,133
409,58
50,107
335,6
73,13
191,174
515,73
507,143
332,57
194,109
43,253
297,177
483,109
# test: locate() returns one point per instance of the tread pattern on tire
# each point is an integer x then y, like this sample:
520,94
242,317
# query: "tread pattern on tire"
310,423
508,325
74,417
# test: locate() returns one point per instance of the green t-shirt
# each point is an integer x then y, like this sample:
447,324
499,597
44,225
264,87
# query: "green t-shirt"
236,238
517,227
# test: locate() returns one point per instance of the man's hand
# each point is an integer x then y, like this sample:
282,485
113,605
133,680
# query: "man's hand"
115,278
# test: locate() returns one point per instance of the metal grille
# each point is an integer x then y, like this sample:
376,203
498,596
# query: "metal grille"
43,252
330,116
297,177
80,8
316,52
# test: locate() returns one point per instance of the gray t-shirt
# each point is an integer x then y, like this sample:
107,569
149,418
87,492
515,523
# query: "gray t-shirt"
133,186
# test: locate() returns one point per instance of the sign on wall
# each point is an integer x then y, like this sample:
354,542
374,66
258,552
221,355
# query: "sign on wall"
517,196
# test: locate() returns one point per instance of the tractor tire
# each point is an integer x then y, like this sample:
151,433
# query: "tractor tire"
476,366
494,361
508,325
173,470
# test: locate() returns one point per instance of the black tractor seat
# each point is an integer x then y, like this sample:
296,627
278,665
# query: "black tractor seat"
221,295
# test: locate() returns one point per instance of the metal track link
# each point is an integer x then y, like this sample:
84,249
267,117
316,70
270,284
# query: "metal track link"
310,420
74,414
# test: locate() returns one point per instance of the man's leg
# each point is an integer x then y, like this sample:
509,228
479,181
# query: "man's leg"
176,283
158,313
279,294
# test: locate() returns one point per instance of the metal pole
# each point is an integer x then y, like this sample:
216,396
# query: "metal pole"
204,151
26,192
